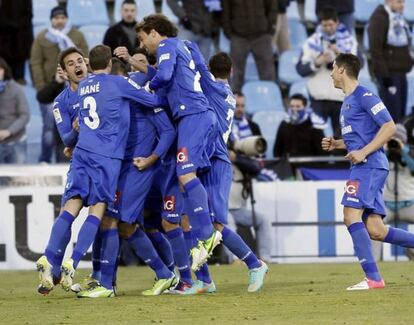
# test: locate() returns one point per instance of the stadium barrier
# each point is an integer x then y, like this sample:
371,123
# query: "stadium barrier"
305,216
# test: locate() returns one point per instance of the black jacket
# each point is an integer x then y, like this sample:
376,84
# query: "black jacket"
386,59
115,36
341,6
298,140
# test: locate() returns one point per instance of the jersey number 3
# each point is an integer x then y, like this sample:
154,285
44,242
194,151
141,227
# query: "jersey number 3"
92,121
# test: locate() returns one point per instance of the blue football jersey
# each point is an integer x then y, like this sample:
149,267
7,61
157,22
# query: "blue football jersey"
105,113
177,74
65,111
221,99
362,115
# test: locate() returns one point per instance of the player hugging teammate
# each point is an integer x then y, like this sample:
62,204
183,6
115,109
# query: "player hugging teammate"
157,139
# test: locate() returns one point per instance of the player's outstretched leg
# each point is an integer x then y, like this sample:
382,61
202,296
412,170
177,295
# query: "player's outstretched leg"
257,268
362,247
143,247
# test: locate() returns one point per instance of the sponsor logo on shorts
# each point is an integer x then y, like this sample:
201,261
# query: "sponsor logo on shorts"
353,199
187,166
182,155
169,203
198,209
351,188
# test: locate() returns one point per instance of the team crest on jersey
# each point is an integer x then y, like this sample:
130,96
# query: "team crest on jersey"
169,203
182,155
352,187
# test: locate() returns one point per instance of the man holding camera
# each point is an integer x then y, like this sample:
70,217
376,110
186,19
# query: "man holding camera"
318,54
399,187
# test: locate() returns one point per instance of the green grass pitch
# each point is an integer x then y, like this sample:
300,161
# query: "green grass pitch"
293,294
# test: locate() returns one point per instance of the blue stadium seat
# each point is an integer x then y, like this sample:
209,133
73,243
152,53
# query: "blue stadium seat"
93,34
166,10
224,42
364,73
41,11
410,97
145,8
409,10
292,11
310,11
287,67
250,72
297,33
262,96
299,87
37,29
87,12
364,9
269,122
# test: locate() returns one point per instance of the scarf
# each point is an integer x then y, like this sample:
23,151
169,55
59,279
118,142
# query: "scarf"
60,37
241,128
342,38
305,114
398,29
213,5
3,84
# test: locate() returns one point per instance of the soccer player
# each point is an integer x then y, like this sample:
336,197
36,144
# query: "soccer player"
104,123
218,179
65,111
126,213
195,120
366,126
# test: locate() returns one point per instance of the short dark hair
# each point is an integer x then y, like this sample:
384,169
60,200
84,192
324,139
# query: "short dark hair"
67,52
99,57
7,70
350,63
220,65
238,93
118,67
328,13
299,97
159,23
128,2
141,50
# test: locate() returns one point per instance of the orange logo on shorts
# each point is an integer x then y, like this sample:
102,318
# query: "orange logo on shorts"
169,203
351,187
182,155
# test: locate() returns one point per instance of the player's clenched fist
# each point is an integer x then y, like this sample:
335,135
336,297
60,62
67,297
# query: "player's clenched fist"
122,52
328,144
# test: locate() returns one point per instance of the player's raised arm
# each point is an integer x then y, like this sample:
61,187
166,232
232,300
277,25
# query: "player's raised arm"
165,130
131,90
166,59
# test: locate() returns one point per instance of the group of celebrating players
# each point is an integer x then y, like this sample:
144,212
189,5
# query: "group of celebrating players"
153,141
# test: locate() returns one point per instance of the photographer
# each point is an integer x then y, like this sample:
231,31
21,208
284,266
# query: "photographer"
399,188
245,168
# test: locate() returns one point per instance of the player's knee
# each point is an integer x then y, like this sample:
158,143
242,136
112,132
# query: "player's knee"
377,233
151,230
185,223
126,230
108,223
168,226
218,226
184,179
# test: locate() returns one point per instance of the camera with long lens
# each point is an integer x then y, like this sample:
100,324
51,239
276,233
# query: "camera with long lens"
247,149
394,150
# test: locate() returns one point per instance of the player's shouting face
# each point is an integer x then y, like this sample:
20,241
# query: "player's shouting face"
75,67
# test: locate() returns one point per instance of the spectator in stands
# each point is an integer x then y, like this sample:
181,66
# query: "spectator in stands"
301,133
123,33
399,188
44,56
250,25
318,54
389,44
281,37
199,21
243,126
14,115
344,8
16,35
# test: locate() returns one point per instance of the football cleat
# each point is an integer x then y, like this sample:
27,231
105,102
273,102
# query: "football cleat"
85,284
204,250
45,276
367,284
256,277
183,288
203,287
96,290
68,272
160,285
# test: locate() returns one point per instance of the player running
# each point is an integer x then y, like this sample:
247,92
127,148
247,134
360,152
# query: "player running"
366,126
